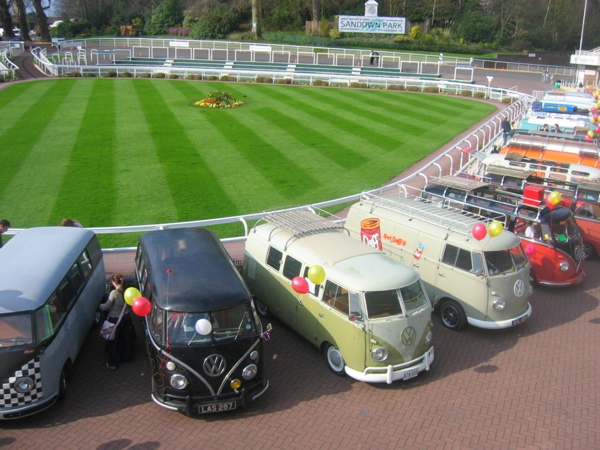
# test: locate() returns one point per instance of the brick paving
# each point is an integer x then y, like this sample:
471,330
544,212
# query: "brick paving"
530,387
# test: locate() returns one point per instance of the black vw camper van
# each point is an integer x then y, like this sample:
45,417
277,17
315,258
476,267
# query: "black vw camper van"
204,338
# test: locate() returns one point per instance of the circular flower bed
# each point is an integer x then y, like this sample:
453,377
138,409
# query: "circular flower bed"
219,99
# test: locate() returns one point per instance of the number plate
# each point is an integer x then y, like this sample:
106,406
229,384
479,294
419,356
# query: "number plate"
217,407
519,320
410,374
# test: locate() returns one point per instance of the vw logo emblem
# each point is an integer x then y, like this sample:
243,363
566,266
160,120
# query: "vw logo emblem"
519,288
214,365
408,336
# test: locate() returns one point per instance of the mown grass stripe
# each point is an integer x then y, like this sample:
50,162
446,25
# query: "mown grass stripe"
42,172
17,99
197,191
349,128
217,152
343,156
21,142
265,157
88,185
140,181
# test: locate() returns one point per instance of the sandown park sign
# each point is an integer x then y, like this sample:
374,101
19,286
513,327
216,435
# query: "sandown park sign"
362,24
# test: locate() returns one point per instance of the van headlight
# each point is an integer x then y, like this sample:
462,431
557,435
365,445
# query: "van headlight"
564,266
499,304
23,385
379,354
429,338
249,372
178,381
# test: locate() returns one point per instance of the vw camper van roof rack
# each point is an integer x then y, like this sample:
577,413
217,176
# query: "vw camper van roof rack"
410,205
467,184
304,221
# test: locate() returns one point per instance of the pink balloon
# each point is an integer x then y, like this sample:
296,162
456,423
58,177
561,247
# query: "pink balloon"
530,250
466,150
300,285
141,306
588,138
479,231
597,130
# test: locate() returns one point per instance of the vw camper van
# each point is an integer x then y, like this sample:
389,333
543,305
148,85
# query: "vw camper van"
203,336
484,283
370,316
52,281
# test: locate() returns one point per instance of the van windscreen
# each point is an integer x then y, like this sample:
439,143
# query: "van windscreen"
210,327
383,304
15,330
505,261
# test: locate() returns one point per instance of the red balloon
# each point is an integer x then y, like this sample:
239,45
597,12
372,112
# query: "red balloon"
598,130
479,231
141,306
530,250
588,138
300,285
466,150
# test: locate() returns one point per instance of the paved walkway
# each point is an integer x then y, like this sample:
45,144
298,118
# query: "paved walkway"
531,387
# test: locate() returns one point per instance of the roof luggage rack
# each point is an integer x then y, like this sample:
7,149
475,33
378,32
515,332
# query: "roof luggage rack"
303,221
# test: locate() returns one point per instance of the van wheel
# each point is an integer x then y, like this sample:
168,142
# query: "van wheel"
262,309
452,315
588,250
62,385
335,360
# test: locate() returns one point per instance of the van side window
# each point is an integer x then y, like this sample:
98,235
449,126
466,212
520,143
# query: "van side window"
312,288
337,297
85,263
274,258
56,309
66,292
457,257
43,323
76,277
291,268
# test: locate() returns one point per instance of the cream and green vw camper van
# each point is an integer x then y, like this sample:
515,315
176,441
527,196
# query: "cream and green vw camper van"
481,282
371,316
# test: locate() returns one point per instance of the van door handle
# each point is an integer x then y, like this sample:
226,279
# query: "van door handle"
321,315
416,265
442,275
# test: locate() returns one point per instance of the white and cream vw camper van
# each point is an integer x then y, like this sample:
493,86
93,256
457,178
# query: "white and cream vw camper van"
370,315
481,282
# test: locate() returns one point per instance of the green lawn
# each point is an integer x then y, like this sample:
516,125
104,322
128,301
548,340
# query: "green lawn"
129,152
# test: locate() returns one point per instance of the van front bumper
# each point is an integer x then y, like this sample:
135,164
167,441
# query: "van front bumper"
512,322
191,405
27,410
389,374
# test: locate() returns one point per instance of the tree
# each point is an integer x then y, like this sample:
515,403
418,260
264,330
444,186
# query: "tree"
40,12
256,9
169,13
21,11
6,20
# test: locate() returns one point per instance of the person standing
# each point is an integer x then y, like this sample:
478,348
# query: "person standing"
506,129
4,226
116,307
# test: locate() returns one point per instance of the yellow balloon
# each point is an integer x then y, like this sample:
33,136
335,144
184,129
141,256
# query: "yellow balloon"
555,197
131,294
316,274
590,133
495,228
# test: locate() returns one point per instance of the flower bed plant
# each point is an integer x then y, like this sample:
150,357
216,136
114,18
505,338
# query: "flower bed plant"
219,99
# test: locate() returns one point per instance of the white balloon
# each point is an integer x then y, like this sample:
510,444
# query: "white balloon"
203,327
